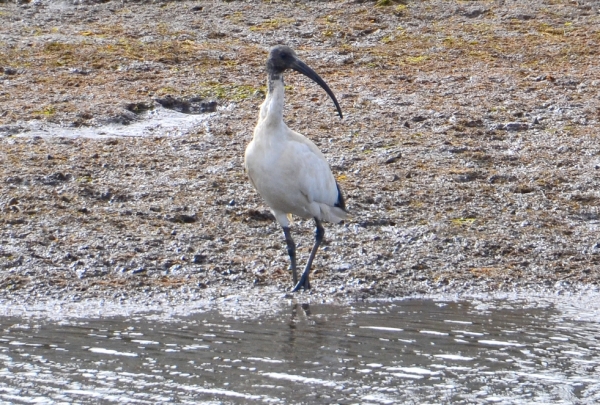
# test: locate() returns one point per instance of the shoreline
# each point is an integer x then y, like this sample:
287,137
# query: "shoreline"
173,305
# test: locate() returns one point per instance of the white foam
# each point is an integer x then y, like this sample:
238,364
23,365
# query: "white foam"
406,375
218,391
413,370
112,352
264,359
382,328
433,332
145,342
453,357
500,343
461,322
301,379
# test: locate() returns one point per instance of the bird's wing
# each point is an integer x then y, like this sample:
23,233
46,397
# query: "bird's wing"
313,174
248,152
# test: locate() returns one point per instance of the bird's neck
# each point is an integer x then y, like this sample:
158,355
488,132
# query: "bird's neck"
271,111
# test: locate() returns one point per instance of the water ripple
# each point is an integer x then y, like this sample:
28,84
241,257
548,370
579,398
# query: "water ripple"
380,353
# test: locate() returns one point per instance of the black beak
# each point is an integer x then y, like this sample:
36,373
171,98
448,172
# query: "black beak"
303,68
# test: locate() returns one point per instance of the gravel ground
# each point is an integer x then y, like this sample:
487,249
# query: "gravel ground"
468,151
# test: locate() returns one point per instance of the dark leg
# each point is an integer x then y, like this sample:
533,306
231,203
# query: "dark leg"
291,248
320,232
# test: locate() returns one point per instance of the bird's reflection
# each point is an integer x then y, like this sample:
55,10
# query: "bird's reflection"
298,311
299,308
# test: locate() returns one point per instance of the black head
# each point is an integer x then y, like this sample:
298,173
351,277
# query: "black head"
283,57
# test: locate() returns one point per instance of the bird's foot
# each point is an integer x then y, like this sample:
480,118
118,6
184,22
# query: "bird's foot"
303,283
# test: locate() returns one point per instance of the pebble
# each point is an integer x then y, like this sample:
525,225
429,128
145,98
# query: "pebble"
516,126
343,267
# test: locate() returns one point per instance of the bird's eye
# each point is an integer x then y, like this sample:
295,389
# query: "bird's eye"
284,55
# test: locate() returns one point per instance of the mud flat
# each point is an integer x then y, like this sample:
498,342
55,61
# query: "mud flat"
468,151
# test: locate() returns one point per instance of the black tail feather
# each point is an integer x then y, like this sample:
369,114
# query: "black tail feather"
341,202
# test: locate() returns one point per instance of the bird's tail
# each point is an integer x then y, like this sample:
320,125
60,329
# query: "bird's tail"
341,201
337,213
333,214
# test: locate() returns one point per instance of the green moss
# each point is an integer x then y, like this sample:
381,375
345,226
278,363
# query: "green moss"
416,59
548,29
400,9
272,24
463,221
233,92
48,111
54,47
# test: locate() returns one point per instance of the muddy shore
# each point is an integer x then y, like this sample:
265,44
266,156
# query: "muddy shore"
469,150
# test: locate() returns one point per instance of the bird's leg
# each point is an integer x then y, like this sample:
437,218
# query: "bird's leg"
291,248
320,232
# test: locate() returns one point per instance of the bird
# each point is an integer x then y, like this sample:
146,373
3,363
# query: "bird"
287,169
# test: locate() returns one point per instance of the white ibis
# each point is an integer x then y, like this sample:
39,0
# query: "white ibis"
286,168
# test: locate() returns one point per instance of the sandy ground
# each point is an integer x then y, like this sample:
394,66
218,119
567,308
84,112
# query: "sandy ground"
468,152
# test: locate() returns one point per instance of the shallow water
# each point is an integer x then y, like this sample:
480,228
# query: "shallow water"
159,121
413,351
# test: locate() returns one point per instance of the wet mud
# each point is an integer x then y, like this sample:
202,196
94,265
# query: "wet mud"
468,152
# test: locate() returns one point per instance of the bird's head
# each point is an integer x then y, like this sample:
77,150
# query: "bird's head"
283,57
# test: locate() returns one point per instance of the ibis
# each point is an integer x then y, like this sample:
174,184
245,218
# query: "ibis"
287,169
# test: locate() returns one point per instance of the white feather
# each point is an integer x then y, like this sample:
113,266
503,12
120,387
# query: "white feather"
288,170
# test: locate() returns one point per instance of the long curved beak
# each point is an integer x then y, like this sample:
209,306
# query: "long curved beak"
303,68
